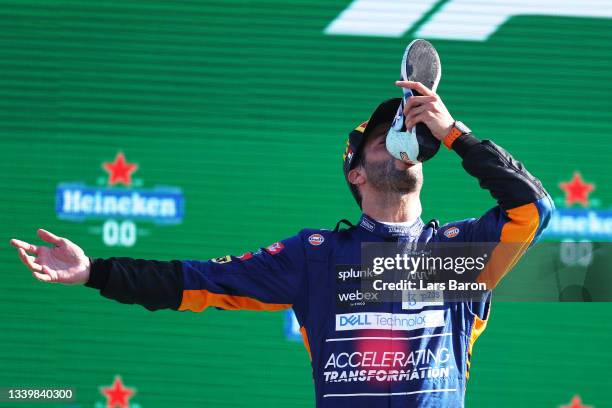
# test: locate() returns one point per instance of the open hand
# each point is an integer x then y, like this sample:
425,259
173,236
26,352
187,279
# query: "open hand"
65,262
428,109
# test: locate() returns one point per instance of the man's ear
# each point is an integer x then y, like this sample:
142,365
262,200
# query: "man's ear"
357,176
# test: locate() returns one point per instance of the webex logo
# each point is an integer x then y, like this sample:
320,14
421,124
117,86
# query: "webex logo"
358,296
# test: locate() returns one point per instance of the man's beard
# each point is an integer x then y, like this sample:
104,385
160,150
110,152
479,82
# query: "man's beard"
384,177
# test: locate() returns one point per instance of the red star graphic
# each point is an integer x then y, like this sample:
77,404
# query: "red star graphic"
577,190
576,402
120,171
117,394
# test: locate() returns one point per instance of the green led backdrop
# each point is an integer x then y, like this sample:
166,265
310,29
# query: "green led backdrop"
242,109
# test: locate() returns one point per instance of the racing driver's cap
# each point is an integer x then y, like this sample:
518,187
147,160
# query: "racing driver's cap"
385,112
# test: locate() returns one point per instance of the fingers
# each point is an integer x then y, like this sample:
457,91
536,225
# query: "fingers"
29,261
415,112
17,243
409,114
40,272
421,117
418,101
417,86
49,237
42,277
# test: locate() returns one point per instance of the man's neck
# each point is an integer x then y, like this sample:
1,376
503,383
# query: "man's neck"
403,208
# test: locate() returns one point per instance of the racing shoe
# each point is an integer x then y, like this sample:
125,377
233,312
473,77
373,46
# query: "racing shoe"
420,63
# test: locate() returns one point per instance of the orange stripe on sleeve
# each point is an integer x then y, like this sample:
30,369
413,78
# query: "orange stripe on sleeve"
199,299
516,236
305,339
523,225
478,327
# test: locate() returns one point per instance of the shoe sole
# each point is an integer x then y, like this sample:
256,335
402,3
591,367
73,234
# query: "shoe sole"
421,63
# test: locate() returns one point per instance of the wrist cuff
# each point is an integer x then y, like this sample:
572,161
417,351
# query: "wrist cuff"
98,274
451,137
462,144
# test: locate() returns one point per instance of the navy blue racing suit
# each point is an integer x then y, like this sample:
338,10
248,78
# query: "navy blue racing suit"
363,354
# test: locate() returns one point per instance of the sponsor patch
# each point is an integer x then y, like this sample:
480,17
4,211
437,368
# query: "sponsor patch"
451,232
316,239
357,295
388,362
405,158
275,248
222,259
416,300
355,298
367,224
353,273
245,256
389,321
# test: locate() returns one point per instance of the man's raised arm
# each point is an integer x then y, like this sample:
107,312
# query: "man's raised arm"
523,205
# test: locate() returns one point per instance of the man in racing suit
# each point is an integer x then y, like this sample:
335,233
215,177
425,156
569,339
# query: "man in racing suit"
363,353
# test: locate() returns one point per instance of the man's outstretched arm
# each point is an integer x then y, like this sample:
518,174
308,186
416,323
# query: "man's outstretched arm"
267,279
152,284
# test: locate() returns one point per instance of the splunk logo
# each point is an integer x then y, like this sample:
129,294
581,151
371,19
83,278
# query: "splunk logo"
353,274
389,321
